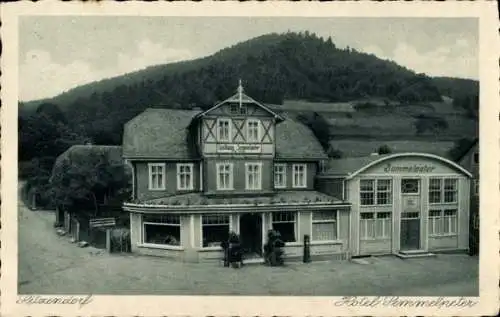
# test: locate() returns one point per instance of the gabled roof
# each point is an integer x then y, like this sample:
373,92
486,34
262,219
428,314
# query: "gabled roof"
351,166
241,98
294,140
159,133
165,134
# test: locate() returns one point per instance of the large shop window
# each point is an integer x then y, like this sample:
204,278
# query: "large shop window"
443,190
284,223
442,222
375,192
215,229
162,229
224,130
253,131
375,225
185,176
156,176
299,175
279,175
324,225
253,176
224,176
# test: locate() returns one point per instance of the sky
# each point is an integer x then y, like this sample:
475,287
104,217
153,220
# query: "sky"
57,53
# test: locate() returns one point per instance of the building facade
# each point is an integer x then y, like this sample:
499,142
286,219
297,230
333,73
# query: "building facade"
239,166
470,161
402,203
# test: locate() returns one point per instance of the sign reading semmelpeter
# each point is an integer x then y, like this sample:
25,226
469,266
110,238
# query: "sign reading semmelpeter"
409,168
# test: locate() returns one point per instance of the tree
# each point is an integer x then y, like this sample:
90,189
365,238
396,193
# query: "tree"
86,181
384,149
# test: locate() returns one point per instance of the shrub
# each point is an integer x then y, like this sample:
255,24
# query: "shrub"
120,240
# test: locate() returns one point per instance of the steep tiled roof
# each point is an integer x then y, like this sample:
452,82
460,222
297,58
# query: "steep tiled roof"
294,140
159,133
164,133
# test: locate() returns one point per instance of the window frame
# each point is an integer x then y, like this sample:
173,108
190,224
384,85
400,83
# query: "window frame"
231,175
334,221
230,224
375,192
284,166
229,130
163,174
294,185
247,131
419,182
247,175
442,218
191,175
295,224
363,236
443,191
157,245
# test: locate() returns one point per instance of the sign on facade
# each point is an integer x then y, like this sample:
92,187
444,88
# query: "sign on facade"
409,168
239,148
102,222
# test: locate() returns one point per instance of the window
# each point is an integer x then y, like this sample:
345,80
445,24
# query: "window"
284,223
280,175
476,158
224,176
253,176
162,229
253,131
236,109
375,192
299,176
443,190
410,186
224,130
185,176
442,222
215,229
375,225
324,225
156,176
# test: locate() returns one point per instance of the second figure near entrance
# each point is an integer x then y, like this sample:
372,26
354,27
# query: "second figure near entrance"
251,234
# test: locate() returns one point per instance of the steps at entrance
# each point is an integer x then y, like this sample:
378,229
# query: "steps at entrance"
253,261
408,254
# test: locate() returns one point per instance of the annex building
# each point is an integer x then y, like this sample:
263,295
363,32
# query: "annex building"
239,166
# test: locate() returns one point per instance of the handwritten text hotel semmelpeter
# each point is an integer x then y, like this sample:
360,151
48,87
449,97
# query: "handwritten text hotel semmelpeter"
409,169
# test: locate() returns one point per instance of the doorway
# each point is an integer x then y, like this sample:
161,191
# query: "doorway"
410,214
251,233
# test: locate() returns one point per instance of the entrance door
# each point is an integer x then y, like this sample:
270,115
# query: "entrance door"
410,214
251,233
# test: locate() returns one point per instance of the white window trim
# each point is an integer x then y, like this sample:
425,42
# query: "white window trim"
442,191
215,248
375,191
247,126
191,174
364,236
284,175
247,185
444,218
296,219
293,176
231,176
229,130
150,175
419,186
160,246
337,224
